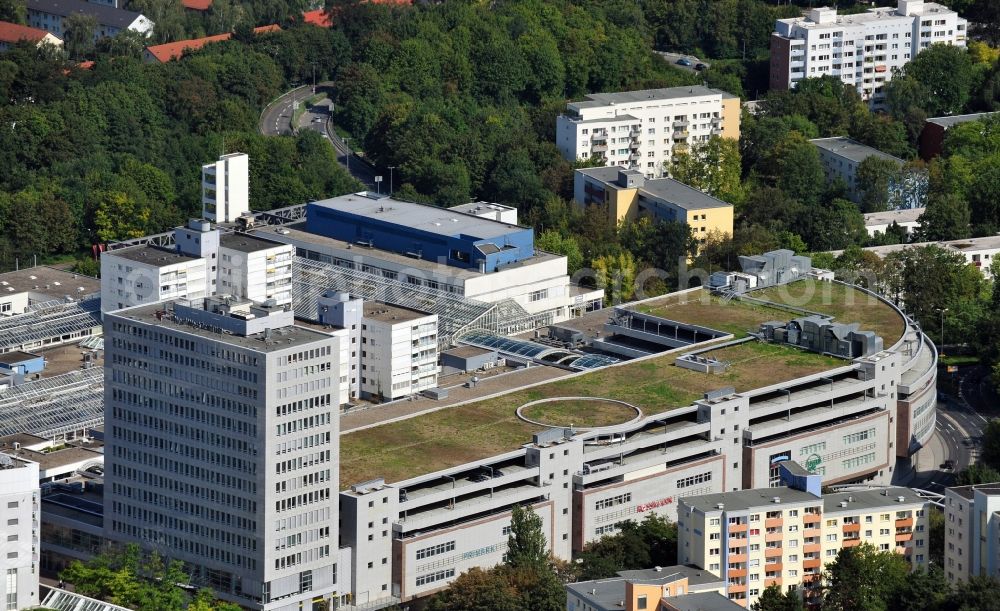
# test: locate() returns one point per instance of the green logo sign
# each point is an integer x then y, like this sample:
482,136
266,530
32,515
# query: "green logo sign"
812,462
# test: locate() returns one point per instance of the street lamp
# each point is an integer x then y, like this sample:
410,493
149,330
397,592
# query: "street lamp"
347,157
391,168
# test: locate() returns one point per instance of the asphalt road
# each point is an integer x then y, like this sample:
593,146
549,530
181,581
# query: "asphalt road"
277,117
672,58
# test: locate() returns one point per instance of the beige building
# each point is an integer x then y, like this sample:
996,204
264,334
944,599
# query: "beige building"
628,195
643,130
972,531
786,535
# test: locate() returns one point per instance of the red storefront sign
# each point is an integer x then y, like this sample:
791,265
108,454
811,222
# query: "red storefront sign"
654,504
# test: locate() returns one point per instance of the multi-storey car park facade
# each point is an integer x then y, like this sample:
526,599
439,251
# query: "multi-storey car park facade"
643,130
222,443
440,503
862,50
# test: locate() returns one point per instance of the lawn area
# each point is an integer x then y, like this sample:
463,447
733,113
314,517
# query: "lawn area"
584,414
844,303
450,437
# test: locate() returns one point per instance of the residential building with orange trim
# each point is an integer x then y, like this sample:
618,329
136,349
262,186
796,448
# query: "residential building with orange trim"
786,535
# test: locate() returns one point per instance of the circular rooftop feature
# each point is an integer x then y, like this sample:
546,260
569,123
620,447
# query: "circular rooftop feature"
581,413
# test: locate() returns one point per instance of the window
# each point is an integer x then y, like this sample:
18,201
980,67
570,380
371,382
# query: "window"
434,550
423,580
640,602
538,295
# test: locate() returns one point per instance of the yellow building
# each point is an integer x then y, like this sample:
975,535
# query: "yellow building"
628,195
785,536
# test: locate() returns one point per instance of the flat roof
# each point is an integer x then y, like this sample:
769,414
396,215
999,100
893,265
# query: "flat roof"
908,215
467,351
431,219
606,594
397,450
51,281
70,455
280,339
990,242
876,14
969,492
744,500
156,256
693,574
668,189
474,207
597,100
297,232
16,356
247,242
866,500
385,312
851,149
952,121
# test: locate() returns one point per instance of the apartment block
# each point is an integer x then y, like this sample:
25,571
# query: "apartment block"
786,535
48,15
972,531
936,128
978,252
629,195
253,268
222,442
19,532
146,274
643,130
863,50
225,188
841,157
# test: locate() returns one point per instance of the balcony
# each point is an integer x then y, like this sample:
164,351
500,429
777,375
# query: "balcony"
851,542
680,124
737,558
635,156
636,131
732,573
736,587
773,537
772,581
772,552
598,148
737,528
811,518
904,523
680,134
633,145
812,563
903,537
811,548
716,132
852,528
773,522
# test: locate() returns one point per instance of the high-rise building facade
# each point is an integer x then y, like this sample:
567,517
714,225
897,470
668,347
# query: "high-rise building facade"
222,447
971,531
19,533
643,130
225,188
862,50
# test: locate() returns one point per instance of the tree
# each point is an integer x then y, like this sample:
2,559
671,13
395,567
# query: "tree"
713,167
990,453
875,177
553,241
979,593
13,11
79,31
773,599
616,275
939,80
120,216
946,217
920,589
800,172
935,536
636,545
502,589
526,546
861,578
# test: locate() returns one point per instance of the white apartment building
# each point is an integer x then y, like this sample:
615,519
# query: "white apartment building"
253,268
863,50
222,438
147,274
787,535
907,219
225,188
642,130
19,532
393,350
841,158
972,531
978,252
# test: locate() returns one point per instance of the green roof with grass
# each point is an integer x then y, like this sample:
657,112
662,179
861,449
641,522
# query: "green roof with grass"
457,435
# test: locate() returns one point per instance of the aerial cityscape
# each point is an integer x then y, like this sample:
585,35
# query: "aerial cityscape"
521,305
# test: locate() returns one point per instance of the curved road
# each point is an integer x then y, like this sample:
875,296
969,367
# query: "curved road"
277,118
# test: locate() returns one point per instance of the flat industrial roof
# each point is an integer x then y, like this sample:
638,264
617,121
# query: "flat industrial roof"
280,339
597,100
667,189
16,356
851,149
55,283
990,242
151,255
909,215
467,351
952,121
296,232
422,217
247,242
384,312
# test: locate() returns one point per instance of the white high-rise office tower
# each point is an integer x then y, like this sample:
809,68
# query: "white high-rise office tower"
225,188
222,447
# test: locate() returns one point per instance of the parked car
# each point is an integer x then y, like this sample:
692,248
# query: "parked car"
948,465
683,62
700,66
